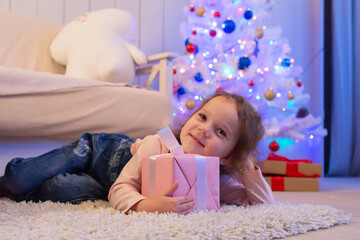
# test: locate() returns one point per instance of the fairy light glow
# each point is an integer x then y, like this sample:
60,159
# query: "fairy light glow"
240,56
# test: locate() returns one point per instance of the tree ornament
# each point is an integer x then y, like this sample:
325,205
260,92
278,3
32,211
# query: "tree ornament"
251,83
219,89
192,8
274,146
187,41
299,84
228,26
194,32
248,14
200,11
269,94
198,77
244,62
290,96
174,70
286,62
190,104
191,48
181,91
259,33
212,33
302,112
217,14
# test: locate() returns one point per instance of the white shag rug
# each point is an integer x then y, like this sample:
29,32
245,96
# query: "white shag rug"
97,220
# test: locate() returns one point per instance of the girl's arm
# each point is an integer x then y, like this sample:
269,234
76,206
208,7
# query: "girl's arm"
125,195
251,188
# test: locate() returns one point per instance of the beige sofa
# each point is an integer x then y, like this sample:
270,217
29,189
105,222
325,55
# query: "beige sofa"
38,102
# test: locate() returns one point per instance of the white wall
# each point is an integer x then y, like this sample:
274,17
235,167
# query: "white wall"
158,30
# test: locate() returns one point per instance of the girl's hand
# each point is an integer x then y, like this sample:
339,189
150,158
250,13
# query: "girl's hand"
164,203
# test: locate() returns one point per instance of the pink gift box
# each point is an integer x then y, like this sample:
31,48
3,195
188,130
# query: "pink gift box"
198,176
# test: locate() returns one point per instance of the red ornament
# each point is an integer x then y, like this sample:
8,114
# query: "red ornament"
192,8
299,84
274,146
217,14
174,70
190,48
219,89
213,33
251,83
194,32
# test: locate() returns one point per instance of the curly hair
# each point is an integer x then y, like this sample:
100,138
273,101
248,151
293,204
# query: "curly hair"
251,132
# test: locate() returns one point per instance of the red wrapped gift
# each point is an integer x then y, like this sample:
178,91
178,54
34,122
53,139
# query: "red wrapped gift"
278,183
278,165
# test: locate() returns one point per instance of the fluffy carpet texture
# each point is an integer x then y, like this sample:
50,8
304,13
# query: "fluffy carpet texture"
97,220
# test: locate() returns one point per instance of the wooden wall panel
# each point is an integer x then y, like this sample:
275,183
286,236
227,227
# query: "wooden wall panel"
151,26
5,5
74,9
173,16
100,4
28,7
51,10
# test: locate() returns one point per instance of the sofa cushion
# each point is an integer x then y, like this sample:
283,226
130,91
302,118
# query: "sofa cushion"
25,41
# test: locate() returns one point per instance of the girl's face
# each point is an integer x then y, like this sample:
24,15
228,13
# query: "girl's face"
213,130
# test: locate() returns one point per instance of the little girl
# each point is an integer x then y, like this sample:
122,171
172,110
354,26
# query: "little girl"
225,125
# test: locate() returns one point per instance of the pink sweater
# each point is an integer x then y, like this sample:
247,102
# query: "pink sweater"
125,192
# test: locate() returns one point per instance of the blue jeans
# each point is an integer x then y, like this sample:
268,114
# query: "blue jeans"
80,171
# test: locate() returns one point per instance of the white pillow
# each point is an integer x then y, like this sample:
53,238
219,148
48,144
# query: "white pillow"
97,45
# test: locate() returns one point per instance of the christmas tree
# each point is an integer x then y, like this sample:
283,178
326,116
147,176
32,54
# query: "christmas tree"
230,48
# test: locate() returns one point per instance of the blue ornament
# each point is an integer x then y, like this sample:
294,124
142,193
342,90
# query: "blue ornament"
181,91
228,26
248,14
187,41
198,77
256,50
244,62
286,62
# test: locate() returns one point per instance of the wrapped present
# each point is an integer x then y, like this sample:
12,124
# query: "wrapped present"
198,176
279,183
278,165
